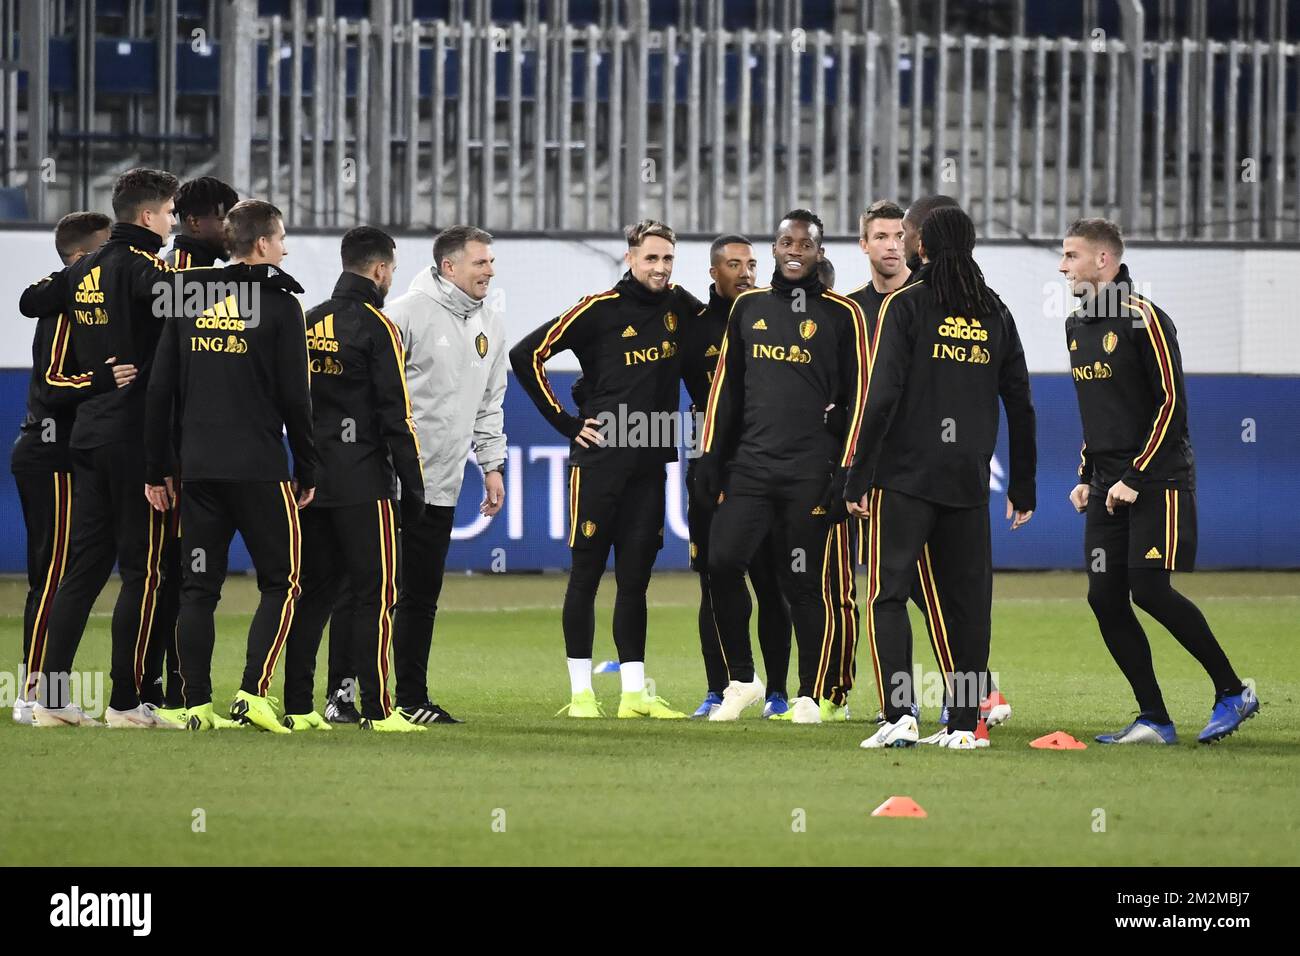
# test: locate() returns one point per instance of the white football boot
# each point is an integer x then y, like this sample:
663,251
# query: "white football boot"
23,712
736,697
70,716
901,733
141,717
956,740
805,710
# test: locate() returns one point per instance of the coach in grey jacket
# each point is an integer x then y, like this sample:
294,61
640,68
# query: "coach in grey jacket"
456,374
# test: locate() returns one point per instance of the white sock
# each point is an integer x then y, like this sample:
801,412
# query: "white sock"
579,674
633,674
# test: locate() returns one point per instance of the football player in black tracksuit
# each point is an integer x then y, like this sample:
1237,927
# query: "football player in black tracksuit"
791,352
944,349
236,378
116,317
732,266
626,341
886,234
40,462
366,439
1137,482
201,207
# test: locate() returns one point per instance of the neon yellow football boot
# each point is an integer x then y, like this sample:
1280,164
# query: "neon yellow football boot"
176,716
640,704
312,721
394,723
584,704
203,718
833,712
258,711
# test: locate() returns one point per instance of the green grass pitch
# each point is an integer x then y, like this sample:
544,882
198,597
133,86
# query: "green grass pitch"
516,786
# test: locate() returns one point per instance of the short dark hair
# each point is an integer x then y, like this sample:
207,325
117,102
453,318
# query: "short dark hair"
73,232
249,221
826,272
140,187
638,232
804,215
1102,231
205,196
451,242
720,243
920,210
363,246
880,209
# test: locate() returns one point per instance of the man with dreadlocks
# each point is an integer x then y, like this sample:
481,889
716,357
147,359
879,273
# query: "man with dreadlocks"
944,349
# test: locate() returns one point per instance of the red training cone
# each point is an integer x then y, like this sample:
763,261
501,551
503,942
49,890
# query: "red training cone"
1059,740
899,807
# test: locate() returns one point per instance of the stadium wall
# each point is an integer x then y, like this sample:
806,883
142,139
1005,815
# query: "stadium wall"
1239,338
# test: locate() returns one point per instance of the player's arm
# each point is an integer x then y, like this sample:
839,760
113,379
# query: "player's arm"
1013,387
45,297
855,366
716,437
160,400
396,420
63,383
1157,347
529,357
722,415
887,375
293,382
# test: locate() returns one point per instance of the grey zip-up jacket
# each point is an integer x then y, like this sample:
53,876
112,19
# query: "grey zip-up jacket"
456,374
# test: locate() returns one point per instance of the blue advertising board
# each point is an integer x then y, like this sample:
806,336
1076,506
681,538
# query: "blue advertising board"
1245,429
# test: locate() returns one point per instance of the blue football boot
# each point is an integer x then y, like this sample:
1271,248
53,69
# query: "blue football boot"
1229,713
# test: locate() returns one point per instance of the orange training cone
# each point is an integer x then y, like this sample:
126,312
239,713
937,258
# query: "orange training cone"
1058,741
899,807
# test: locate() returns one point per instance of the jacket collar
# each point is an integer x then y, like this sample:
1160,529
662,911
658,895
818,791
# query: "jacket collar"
447,294
810,284
718,302
265,274
358,289
1109,298
138,236
204,253
634,290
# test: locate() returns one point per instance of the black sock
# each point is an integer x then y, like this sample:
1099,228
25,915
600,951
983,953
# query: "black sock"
1125,639
1183,619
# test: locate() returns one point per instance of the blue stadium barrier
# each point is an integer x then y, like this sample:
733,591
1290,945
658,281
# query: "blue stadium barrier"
1245,500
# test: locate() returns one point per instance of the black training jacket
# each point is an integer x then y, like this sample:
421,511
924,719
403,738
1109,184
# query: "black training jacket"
700,338
360,404
790,350
626,341
236,377
1128,376
931,419
54,389
111,298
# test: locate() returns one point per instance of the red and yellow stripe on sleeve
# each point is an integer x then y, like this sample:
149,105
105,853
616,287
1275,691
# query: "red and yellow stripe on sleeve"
54,374
553,335
1159,345
399,355
863,355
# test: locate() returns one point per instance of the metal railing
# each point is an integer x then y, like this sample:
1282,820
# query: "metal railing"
554,128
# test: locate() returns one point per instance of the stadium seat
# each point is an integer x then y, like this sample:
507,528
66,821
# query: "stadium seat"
13,204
